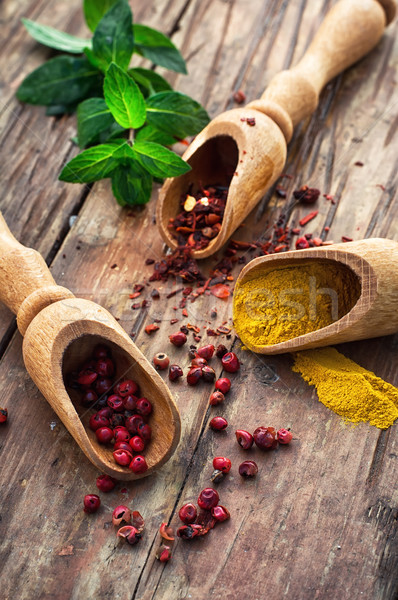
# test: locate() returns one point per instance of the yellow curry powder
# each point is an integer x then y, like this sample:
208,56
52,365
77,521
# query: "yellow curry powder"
348,389
290,301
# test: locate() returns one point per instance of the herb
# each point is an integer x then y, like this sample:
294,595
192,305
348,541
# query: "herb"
126,116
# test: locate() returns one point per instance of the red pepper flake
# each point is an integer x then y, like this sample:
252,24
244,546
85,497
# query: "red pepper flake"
239,97
197,338
308,218
155,294
149,261
296,231
151,328
221,291
174,292
326,228
223,329
381,186
345,238
138,287
173,321
136,306
114,266
358,164
194,328
317,241
280,248
251,121
186,291
211,332
135,295
184,312
306,194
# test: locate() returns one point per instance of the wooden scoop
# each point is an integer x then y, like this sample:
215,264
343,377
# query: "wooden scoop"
375,313
249,158
60,332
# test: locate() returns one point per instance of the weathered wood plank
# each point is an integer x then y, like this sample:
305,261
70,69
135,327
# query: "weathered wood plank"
333,486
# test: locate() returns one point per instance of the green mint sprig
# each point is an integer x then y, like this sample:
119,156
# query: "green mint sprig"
126,116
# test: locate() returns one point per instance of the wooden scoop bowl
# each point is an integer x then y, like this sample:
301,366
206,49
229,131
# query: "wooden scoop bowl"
60,332
374,262
250,158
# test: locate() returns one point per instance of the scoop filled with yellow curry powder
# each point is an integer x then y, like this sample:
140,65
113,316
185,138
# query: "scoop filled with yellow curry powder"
276,301
289,301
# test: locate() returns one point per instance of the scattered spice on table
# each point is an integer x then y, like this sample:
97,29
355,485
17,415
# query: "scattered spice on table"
348,389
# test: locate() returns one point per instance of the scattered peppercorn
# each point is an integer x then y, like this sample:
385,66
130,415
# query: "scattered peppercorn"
130,534
248,468
221,463
208,498
105,483
175,372
216,398
223,385
91,503
188,513
121,514
194,375
265,438
230,362
284,436
218,423
178,339
206,351
221,351
161,361
245,439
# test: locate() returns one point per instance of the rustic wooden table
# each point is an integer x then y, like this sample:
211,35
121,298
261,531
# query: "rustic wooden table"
320,520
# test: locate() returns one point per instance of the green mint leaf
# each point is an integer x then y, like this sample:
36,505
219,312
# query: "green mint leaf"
149,81
92,59
60,109
91,164
131,184
94,10
124,98
160,161
176,114
158,48
124,153
61,80
93,119
113,39
148,133
53,38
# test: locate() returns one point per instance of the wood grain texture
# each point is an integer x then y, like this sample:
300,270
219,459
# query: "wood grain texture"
320,519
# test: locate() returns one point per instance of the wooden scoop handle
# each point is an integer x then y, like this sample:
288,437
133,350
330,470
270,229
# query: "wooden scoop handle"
26,284
349,31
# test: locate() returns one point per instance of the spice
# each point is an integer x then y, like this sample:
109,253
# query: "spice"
308,218
290,301
351,391
200,218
